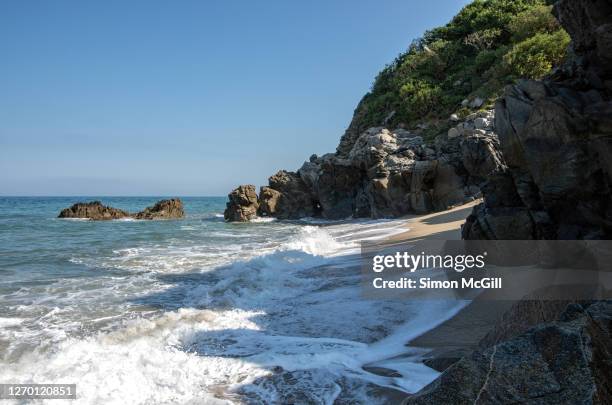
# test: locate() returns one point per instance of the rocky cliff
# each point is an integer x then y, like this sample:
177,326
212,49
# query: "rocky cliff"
386,173
554,182
556,140
398,155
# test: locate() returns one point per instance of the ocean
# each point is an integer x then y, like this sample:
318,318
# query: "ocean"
201,311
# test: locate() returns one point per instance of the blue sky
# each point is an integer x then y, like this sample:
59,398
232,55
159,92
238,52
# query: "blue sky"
185,97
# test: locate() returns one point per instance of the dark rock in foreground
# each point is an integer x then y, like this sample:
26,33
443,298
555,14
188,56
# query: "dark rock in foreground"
563,362
242,205
164,209
95,210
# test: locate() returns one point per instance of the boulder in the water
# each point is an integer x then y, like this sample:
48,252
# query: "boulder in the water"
164,209
94,210
242,205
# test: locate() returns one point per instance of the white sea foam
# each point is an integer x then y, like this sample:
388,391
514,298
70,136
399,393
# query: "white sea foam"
257,301
6,322
263,220
316,241
140,363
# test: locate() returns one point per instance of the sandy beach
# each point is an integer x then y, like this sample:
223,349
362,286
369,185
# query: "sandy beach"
444,225
459,335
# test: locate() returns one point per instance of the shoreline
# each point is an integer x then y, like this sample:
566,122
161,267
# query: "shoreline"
441,225
459,335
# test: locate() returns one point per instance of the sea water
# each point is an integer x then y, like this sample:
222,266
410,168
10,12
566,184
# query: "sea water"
199,310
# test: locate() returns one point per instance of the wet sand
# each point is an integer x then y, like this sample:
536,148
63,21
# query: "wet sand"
459,335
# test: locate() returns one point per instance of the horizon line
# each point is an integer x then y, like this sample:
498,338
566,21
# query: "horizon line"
111,196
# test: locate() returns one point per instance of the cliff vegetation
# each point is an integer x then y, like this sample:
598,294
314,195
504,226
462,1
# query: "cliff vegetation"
463,65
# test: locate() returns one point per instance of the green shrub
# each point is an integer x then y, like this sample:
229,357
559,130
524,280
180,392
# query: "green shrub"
484,60
420,97
534,57
487,45
481,15
484,39
538,19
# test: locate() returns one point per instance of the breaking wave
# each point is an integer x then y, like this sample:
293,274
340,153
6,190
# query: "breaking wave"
201,311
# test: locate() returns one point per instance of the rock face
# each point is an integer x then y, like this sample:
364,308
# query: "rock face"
385,174
242,205
564,362
556,140
93,210
286,197
554,182
164,209
526,314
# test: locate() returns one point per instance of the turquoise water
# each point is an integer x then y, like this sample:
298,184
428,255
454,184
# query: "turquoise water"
36,246
198,310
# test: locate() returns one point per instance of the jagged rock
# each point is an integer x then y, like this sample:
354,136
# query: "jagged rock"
337,187
386,174
379,173
480,155
242,205
93,210
291,199
164,209
556,139
372,147
562,362
268,200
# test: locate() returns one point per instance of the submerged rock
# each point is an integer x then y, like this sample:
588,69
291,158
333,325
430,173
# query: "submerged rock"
94,210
